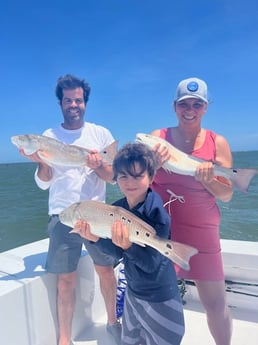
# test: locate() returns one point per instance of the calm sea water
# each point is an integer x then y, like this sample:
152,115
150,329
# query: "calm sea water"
23,206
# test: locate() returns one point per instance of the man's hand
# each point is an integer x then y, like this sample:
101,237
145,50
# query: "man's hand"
33,157
94,160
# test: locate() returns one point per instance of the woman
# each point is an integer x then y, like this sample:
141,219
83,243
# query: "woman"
196,216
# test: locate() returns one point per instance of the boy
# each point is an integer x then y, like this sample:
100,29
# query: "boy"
153,312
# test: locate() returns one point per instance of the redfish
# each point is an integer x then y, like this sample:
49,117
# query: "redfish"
54,152
101,217
184,164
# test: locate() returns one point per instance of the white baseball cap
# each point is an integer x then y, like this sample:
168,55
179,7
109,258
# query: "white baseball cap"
192,88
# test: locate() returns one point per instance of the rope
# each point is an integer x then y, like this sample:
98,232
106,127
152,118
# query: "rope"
173,197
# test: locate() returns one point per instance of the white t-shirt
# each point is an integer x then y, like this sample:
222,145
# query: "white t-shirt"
69,185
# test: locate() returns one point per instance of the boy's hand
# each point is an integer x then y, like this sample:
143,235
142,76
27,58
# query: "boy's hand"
120,235
83,229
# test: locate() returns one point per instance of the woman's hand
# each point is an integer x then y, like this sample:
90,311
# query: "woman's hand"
218,186
120,235
205,172
83,229
162,154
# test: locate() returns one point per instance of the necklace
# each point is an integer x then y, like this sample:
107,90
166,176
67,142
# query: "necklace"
188,141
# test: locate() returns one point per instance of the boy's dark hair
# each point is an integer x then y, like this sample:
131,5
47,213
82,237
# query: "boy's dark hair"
129,154
69,82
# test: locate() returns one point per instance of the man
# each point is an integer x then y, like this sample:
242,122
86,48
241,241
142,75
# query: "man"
69,185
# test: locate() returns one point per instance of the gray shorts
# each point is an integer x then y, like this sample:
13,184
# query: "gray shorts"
65,249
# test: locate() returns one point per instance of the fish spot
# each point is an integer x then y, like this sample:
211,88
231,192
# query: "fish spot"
147,234
137,233
111,214
168,245
234,171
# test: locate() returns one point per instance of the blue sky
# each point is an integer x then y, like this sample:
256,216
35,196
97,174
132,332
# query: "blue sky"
133,53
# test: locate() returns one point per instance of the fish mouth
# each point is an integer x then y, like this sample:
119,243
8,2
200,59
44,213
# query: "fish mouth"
14,140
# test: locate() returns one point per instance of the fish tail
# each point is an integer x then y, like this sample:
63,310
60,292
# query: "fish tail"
109,152
180,253
243,177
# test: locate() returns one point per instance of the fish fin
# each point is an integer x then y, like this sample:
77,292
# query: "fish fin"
223,180
109,152
180,254
45,156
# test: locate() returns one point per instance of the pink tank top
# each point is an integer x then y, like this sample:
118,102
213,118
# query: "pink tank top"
194,212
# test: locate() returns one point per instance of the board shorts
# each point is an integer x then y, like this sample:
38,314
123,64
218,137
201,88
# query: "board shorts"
151,323
65,249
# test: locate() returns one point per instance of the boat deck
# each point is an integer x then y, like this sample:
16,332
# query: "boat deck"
245,324
196,332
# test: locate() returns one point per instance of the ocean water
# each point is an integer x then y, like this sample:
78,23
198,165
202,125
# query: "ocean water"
23,206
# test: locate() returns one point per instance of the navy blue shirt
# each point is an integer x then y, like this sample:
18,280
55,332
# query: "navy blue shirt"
150,275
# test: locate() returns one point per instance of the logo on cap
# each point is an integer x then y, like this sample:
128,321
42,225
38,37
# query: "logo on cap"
192,86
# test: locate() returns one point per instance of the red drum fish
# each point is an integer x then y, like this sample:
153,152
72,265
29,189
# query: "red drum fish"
54,152
184,164
101,217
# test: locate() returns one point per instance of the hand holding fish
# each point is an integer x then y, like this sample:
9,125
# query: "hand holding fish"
205,172
44,170
82,228
94,160
162,154
34,157
120,235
